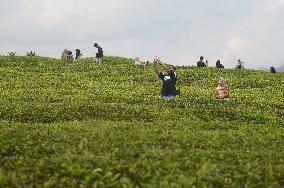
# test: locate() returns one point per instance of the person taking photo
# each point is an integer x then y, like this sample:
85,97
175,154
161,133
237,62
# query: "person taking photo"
169,79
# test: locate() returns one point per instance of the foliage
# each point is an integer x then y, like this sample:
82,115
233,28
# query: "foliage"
72,124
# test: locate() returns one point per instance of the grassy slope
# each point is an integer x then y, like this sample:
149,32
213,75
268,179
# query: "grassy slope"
79,124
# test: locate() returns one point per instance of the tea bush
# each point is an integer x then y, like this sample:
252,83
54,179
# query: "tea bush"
83,125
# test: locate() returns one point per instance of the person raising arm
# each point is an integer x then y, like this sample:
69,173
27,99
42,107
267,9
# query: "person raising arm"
169,79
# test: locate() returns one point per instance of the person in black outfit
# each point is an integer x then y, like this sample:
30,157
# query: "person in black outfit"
219,65
169,80
78,54
272,70
200,63
100,54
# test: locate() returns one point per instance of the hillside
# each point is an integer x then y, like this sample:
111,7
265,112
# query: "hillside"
78,124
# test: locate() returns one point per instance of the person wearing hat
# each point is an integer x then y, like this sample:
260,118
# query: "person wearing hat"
169,79
99,55
222,91
200,63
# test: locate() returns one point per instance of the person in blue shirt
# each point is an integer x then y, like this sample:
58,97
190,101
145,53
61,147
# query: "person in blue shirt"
169,79
99,55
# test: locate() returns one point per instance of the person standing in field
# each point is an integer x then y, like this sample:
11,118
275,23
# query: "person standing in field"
31,54
219,65
146,64
78,54
137,61
222,91
99,55
200,63
169,79
240,64
64,54
272,70
69,57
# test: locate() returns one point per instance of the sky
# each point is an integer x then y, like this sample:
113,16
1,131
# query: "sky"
178,31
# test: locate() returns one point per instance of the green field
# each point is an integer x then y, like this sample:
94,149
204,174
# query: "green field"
83,125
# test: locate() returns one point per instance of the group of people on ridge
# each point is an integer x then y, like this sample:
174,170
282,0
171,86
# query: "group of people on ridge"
169,80
136,61
201,63
68,55
31,53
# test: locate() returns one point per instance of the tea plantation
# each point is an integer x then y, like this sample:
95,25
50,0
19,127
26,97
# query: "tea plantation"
77,124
